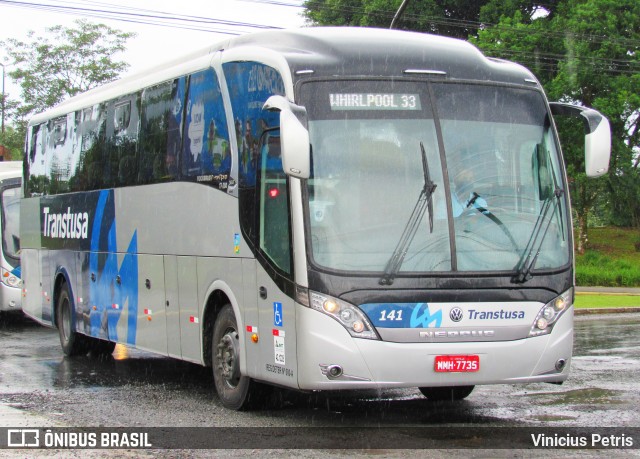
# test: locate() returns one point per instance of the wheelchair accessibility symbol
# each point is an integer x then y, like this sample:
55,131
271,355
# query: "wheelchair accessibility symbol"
277,314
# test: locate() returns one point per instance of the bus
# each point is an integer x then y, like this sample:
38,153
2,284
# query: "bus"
318,209
10,191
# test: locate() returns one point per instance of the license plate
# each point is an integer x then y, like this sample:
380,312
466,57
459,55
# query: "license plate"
457,363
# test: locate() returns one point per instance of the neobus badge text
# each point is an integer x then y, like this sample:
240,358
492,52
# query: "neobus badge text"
69,225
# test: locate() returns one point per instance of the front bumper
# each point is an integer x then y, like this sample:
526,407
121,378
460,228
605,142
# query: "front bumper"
369,364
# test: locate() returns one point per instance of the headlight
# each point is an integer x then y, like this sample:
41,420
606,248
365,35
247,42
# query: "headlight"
349,316
10,279
550,313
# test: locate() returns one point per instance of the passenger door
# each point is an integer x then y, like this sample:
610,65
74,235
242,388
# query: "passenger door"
276,308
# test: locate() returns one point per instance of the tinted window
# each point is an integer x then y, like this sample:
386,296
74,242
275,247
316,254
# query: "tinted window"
206,156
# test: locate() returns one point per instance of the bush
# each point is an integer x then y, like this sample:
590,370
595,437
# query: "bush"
596,269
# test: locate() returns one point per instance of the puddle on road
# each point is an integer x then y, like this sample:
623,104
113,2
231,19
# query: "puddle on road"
552,418
586,396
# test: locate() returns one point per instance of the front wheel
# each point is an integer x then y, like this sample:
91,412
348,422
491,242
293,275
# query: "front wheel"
236,392
446,393
72,342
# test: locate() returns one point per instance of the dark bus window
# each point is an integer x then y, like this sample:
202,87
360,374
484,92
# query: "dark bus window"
275,238
160,135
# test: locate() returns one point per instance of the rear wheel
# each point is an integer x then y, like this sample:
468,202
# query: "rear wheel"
71,341
446,393
236,392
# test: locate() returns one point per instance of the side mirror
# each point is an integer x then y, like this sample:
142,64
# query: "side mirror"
294,137
597,139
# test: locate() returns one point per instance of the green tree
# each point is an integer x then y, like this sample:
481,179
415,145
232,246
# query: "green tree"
585,52
13,140
455,18
64,62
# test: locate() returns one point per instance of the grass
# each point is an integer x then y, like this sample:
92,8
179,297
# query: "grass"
612,259
587,300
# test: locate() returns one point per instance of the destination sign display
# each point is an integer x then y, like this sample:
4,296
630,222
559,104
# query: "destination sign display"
374,101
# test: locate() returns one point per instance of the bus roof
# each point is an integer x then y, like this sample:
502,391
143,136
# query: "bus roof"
360,51
323,52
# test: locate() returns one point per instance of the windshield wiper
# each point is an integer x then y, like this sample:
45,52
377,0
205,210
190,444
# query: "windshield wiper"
487,213
527,263
423,203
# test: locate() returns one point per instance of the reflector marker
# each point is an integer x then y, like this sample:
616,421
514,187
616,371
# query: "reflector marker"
194,320
252,329
277,332
115,306
148,312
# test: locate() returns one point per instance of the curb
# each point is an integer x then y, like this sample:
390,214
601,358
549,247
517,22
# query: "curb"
627,291
590,311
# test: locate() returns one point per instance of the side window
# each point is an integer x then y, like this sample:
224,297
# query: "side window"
36,181
274,222
122,117
121,168
59,131
206,156
91,135
59,153
161,131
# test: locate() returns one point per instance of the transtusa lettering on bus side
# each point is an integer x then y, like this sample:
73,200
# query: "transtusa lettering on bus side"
69,225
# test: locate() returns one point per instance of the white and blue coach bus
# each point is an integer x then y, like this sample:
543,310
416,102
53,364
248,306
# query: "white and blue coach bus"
319,209
10,192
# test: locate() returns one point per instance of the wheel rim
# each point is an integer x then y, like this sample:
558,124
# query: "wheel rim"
228,362
66,319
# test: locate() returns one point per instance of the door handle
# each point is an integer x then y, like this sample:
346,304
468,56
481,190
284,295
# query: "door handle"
263,293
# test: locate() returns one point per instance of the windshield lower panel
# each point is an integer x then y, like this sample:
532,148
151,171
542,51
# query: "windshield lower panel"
489,150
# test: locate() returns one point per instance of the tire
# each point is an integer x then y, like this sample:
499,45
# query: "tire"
72,342
450,394
235,391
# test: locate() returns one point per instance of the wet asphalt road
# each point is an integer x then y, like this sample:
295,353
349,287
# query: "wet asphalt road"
135,388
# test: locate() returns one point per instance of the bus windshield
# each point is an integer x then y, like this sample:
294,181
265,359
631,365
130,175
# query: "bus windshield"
486,153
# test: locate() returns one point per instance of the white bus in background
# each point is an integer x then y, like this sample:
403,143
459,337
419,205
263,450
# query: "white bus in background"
318,209
10,192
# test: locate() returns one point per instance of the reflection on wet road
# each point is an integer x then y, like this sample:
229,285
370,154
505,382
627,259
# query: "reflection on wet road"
137,388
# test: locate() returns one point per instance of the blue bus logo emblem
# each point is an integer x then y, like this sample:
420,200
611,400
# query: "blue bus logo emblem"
426,318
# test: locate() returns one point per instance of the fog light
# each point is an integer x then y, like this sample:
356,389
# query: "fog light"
334,371
542,323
